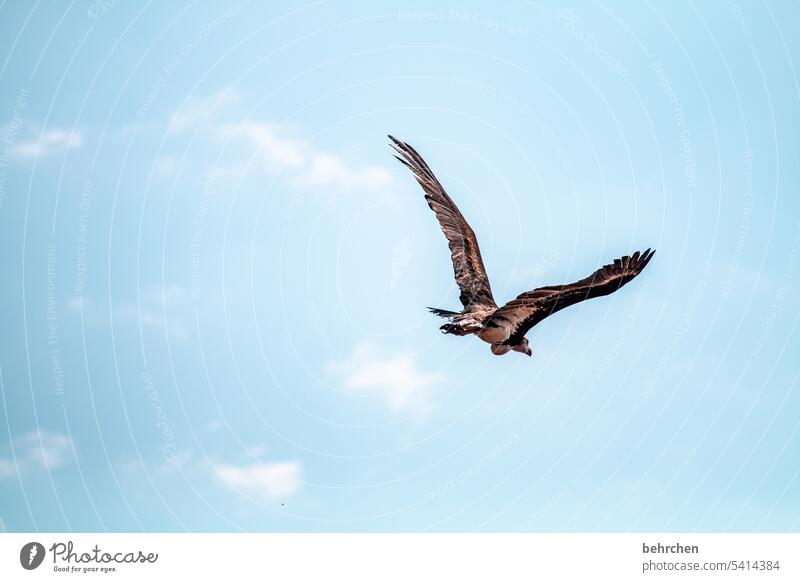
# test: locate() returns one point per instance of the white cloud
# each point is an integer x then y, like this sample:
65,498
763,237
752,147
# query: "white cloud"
303,164
329,170
214,425
267,481
397,377
7,469
166,164
36,450
149,311
256,451
278,152
49,142
195,111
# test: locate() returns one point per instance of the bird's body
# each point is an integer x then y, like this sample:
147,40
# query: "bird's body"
504,328
495,332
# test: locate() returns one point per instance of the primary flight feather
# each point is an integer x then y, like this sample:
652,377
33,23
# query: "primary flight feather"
503,327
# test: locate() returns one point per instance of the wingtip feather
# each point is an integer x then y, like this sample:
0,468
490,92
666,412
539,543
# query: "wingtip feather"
395,140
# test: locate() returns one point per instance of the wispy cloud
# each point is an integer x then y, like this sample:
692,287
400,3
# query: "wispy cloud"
266,481
397,377
166,164
36,450
330,170
48,142
301,162
278,150
7,469
153,303
195,111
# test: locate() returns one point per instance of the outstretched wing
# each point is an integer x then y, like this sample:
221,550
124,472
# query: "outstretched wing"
533,306
467,262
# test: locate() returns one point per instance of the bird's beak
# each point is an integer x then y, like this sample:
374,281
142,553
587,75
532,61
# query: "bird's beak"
529,352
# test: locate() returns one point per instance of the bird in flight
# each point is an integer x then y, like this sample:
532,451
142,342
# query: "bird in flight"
504,328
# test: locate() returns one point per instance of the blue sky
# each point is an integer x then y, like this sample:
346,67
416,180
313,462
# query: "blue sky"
216,274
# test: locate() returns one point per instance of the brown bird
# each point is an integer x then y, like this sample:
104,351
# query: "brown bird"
503,327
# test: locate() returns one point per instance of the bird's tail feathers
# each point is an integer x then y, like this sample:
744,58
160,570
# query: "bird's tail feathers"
457,329
442,312
460,323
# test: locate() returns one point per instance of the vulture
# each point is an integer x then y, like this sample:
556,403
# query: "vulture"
504,328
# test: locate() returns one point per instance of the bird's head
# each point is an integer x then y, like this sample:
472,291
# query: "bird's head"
523,347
